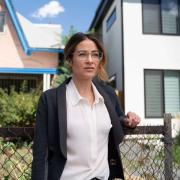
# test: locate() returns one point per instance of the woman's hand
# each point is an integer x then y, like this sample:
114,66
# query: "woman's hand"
132,120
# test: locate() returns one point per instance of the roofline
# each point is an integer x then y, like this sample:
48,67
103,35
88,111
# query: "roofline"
16,23
30,50
101,10
24,43
29,70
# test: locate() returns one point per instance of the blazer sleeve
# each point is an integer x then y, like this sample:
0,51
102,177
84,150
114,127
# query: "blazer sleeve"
115,101
117,106
40,146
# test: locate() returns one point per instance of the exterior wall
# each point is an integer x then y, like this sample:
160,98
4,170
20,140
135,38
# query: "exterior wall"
12,54
113,43
99,33
142,51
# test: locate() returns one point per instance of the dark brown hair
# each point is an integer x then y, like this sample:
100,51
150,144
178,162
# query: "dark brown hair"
75,40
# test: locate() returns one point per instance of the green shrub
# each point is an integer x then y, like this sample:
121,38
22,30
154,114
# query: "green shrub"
176,155
18,109
177,139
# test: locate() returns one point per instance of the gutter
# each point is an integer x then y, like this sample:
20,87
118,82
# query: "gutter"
103,7
18,28
29,70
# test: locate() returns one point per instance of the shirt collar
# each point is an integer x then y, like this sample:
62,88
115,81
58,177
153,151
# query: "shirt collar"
75,97
98,96
73,93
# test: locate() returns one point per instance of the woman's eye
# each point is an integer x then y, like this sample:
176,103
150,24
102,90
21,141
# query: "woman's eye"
82,54
95,54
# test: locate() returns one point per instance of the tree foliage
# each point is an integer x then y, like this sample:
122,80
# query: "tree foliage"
18,108
65,38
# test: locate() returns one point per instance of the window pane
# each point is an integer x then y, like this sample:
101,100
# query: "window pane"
111,19
26,82
153,93
169,13
172,95
2,21
151,16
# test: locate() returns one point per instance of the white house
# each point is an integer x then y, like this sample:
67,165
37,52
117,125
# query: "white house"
142,39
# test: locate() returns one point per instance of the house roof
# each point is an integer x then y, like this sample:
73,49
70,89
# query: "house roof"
100,13
35,37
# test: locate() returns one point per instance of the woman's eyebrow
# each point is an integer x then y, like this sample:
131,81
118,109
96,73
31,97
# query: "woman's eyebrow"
88,51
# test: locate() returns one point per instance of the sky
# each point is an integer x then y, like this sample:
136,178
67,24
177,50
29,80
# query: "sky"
78,13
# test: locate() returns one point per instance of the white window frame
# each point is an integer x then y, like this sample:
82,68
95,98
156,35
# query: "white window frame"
158,13
155,100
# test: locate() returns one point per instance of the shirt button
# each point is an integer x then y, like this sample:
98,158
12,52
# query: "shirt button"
113,162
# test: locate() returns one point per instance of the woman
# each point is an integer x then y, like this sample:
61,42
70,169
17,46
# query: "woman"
79,124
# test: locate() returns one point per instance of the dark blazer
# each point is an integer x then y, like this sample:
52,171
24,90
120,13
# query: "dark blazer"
50,148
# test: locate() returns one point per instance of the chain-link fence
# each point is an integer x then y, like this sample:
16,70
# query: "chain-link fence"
148,152
15,153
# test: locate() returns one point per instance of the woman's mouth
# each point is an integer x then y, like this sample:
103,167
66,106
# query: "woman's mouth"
89,68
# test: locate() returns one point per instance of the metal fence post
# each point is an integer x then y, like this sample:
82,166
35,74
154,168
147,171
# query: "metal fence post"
168,167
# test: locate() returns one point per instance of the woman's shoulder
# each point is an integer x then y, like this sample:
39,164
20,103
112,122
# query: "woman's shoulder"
54,90
48,95
50,91
105,86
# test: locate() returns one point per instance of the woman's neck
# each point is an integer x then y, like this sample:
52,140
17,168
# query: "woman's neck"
84,88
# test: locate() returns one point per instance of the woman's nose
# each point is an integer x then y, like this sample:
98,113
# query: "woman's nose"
90,58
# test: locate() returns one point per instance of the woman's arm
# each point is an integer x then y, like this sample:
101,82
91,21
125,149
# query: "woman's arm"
131,119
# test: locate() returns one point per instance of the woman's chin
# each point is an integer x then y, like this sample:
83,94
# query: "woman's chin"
85,76
88,77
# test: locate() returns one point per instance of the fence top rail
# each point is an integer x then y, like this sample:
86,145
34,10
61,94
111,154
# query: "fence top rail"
29,131
144,130
23,132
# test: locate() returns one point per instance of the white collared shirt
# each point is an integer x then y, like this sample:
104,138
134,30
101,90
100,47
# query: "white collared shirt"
88,129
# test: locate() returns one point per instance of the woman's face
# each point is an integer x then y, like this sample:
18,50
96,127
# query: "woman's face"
85,60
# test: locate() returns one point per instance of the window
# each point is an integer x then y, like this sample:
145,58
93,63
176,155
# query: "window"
111,19
2,21
162,92
161,16
26,81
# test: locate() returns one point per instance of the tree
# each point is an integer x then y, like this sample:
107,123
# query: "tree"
71,32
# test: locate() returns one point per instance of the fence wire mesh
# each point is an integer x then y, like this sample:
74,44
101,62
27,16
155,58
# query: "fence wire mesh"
15,153
148,153
143,158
